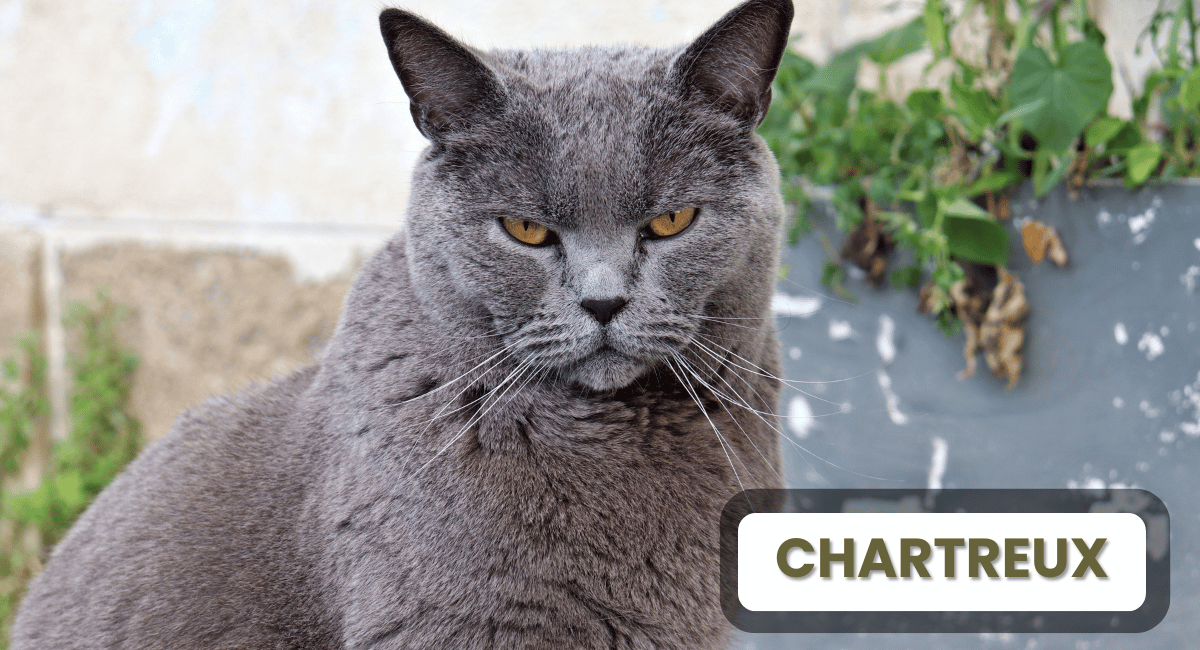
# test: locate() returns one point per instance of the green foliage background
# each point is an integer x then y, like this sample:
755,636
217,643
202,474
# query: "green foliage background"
1034,108
103,438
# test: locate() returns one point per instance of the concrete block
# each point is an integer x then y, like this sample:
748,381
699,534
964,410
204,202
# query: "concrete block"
205,322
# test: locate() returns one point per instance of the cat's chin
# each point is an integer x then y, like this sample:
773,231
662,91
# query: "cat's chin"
606,370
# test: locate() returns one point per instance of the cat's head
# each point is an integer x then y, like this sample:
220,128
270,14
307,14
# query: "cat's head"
597,206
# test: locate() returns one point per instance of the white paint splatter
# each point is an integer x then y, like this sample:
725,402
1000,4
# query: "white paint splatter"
890,399
1189,278
1148,410
800,306
1118,403
1189,399
800,417
1103,217
1120,334
1164,331
794,354
1139,225
1142,466
1196,243
839,330
1151,344
885,342
1166,436
937,464
1089,483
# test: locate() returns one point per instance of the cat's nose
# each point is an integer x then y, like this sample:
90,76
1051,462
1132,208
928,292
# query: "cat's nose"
603,310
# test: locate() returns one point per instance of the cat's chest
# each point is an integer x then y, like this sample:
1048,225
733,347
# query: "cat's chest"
604,525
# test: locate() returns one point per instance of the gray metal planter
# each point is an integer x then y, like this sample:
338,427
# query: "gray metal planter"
1110,395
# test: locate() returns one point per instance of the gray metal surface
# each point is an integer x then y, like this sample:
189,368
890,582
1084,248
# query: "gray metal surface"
1110,395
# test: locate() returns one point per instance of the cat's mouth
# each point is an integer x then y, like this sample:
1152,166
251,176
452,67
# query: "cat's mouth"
606,369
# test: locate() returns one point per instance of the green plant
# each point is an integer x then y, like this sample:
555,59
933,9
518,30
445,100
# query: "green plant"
933,168
104,436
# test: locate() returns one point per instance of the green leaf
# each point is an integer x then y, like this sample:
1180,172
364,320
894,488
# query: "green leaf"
980,240
880,190
1056,174
1128,137
1021,111
1189,94
863,137
907,276
966,209
927,209
1041,169
838,76
1092,32
1168,171
936,30
1143,160
1103,130
992,183
976,109
927,103
1075,89
895,44
833,275
948,323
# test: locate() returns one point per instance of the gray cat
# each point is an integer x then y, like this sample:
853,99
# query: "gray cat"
539,397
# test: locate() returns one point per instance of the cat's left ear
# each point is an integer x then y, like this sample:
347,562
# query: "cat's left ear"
733,63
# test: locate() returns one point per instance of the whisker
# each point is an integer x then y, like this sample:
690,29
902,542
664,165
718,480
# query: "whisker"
511,380
764,373
814,291
785,434
760,371
687,386
745,434
745,327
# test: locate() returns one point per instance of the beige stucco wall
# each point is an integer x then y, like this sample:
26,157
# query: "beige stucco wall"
223,166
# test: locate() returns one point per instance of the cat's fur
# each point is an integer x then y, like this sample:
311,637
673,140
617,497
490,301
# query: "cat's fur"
477,461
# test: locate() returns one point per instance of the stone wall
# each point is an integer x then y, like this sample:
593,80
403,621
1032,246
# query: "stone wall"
222,167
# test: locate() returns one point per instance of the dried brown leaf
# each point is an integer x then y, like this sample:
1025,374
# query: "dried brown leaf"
1041,240
993,321
869,246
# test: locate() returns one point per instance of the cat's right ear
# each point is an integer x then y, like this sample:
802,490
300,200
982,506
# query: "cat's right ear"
733,63
449,86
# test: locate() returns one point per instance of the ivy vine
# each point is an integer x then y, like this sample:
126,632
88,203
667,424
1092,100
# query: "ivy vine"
104,436
932,170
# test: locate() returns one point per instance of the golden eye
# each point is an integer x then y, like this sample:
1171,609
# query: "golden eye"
668,224
526,231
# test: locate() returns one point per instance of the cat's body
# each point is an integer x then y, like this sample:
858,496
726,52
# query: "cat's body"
478,462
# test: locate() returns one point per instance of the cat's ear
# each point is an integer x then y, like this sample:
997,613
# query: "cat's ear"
449,86
733,63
